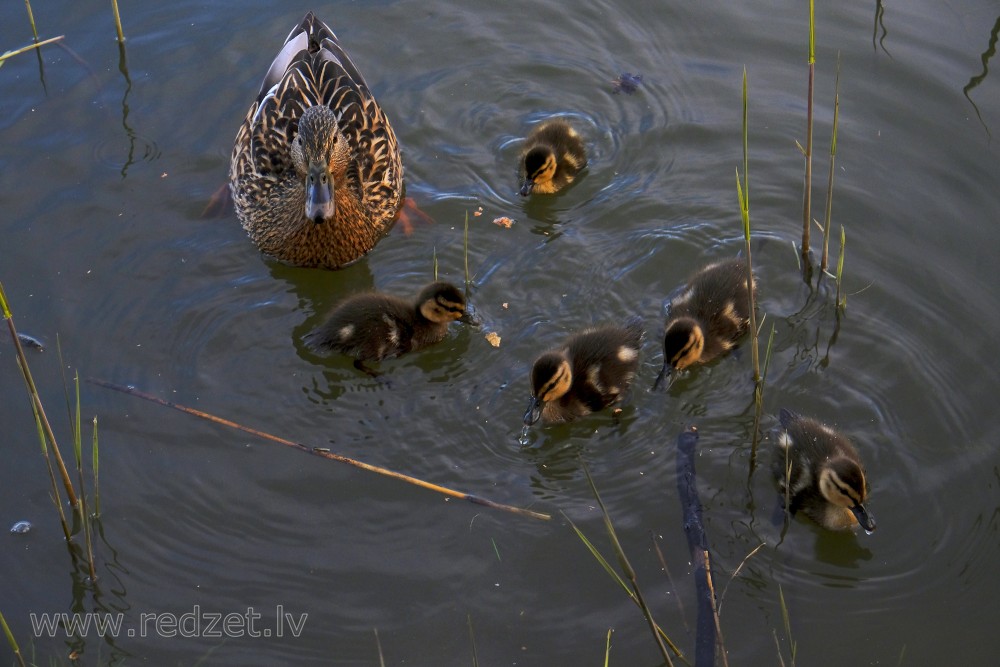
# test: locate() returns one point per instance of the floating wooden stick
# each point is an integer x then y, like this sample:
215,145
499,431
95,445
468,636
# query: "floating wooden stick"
320,451
687,490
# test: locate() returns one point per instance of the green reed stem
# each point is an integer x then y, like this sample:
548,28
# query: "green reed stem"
465,246
378,644
829,183
94,462
786,619
607,648
807,195
434,261
759,401
472,639
840,270
78,453
743,194
31,19
36,400
10,640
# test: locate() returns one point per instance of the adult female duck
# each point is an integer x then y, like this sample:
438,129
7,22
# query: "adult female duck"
315,174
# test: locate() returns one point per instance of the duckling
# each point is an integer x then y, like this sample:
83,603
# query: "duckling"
373,326
589,372
823,474
553,155
709,315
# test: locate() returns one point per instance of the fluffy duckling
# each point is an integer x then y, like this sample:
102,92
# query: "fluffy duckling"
822,472
589,372
373,326
709,315
553,155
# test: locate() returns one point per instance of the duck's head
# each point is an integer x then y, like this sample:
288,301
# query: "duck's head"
441,302
539,169
319,152
551,378
842,482
683,343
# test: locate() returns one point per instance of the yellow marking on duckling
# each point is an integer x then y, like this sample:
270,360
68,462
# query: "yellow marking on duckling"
346,332
691,352
558,384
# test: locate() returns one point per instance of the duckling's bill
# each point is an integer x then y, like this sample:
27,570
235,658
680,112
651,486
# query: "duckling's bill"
534,411
865,518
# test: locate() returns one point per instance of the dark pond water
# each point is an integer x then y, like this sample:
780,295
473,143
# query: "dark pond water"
103,178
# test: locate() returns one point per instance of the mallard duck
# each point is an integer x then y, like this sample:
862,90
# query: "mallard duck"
707,317
373,326
315,174
552,157
822,472
590,371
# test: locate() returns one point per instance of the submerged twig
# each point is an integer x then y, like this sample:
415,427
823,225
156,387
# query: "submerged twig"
322,452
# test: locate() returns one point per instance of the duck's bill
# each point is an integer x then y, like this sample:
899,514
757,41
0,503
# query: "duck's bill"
865,518
320,205
526,187
533,413
666,373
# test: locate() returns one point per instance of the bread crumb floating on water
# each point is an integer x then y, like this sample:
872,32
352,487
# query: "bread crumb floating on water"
504,221
493,338
478,212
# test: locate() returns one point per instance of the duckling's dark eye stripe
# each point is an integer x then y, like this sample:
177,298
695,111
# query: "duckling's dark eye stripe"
557,379
450,306
692,342
847,490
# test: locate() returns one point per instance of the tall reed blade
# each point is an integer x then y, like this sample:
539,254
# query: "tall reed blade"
840,270
31,19
627,568
10,640
78,452
465,245
95,461
829,184
743,194
118,22
36,401
807,194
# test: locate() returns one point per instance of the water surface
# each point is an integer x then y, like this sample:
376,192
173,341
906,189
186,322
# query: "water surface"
103,180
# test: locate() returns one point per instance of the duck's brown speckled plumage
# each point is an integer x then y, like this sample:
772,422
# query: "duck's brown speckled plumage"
314,108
